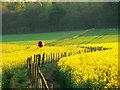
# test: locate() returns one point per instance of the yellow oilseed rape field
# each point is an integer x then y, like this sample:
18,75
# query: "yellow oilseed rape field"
14,56
92,70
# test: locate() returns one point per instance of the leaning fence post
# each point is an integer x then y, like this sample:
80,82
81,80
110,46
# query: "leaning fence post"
44,82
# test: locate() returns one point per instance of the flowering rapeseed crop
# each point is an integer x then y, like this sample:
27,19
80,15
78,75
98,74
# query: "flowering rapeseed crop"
94,69
14,56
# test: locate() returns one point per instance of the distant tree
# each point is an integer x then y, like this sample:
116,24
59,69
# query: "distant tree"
29,17
55,15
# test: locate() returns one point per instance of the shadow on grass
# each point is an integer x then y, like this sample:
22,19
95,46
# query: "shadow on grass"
16,77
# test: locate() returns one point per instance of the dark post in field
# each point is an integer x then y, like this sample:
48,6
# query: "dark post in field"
57,56
43,58
51,57
39,59
65,54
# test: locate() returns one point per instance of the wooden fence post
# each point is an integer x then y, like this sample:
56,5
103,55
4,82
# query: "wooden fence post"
65,54
34,57
51,58
43,59
36,75
68,54
37,78
56,56
41,84
30,65
79,52
94,49
61,55
28,62
39,59
43,81
88,50
91,49
84,50
33,75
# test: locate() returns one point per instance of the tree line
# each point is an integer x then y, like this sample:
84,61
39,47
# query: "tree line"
34,17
